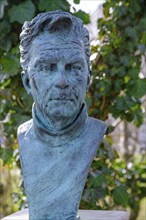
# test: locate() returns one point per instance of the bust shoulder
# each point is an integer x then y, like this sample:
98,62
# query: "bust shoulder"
25,128
97,125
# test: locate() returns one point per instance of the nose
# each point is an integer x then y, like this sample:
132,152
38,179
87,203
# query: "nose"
61,80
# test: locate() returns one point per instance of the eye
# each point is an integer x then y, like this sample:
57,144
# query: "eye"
46,67
53,66
68,67
76,67
72,66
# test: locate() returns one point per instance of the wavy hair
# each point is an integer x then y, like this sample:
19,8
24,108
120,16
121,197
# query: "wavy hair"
53,22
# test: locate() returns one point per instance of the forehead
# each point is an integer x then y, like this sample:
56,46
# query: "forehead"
54,47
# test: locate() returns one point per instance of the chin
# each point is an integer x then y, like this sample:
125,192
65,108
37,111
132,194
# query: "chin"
62,112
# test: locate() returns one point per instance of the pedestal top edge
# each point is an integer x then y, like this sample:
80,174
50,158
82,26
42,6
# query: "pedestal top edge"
84,215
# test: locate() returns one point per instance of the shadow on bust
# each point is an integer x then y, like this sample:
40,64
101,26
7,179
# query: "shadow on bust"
58,145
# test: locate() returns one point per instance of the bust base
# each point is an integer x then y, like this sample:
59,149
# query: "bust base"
84,215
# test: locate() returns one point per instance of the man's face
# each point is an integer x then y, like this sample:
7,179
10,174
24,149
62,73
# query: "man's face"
58,74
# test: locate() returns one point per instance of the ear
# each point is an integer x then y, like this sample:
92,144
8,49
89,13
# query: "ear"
88,82
26,83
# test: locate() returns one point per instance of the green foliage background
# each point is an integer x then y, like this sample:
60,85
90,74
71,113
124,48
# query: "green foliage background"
116,90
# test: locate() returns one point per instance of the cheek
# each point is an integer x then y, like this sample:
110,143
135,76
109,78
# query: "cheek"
80,91
36,90
82,85
40,84
78,79
34,84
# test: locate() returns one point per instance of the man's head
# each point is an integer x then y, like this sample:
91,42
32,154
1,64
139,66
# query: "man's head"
55,56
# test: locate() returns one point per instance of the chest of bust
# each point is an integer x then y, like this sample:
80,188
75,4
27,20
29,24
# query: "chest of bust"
38,157
54,177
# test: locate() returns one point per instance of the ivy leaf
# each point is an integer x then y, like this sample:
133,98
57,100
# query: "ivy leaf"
9,66
51,5
5,44
138,118
98,181
131,32
77,1
83,16
6,155
125,60
120,195
4,27
139,88
22,12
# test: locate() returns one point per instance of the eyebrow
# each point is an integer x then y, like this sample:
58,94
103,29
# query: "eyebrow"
45,60
76,59
52,59
62,46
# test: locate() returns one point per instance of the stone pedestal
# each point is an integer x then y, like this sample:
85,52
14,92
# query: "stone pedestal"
84,215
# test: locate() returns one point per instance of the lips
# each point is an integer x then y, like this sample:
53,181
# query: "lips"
61,99
68,96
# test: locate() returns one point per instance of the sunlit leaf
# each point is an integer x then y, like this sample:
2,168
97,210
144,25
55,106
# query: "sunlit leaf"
77,1
139,88
83,16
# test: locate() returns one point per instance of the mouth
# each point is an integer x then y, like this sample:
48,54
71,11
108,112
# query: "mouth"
61,99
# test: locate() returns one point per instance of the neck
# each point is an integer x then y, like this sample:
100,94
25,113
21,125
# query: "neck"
64,129
54,124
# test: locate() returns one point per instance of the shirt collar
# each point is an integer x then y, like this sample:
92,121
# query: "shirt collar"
53,137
